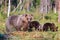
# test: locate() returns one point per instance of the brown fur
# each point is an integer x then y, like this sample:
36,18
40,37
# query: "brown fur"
50,26
36,25
18,21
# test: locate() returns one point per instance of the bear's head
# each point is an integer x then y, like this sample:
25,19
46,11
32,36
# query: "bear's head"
54,29
28,17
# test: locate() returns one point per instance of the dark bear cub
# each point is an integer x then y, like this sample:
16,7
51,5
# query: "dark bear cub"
50,26
36,25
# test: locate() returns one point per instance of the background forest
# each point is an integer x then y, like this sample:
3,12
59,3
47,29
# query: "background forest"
42,10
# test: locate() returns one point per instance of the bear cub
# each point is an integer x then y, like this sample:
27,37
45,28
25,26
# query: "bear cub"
35,24
50,26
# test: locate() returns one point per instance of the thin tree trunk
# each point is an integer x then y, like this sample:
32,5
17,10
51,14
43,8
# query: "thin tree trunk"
21,6
0,3
44,6
5,6
27,5
8,9
59,11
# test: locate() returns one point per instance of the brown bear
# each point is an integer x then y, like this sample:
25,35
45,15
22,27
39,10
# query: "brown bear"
36,25
50,26
18,21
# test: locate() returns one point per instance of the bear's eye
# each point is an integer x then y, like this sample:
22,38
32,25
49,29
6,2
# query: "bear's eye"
53,30
27,18
30,18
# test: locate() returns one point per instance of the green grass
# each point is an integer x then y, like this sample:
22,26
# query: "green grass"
35,36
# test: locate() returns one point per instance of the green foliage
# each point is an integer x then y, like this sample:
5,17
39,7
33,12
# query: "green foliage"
52,16
47,17
52,0
37,2
2,17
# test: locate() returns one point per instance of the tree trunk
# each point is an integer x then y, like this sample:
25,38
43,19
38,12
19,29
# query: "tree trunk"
5,10
0,3
27,5
8,9
44,6
59,11
21,4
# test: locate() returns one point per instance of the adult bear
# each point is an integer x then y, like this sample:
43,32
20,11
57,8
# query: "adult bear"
50,26
36,25
18,21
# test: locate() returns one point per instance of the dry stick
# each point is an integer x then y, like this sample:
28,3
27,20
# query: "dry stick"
40,18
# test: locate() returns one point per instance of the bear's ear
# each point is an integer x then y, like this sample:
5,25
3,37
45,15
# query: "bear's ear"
25,15
56,27
52,23
31,14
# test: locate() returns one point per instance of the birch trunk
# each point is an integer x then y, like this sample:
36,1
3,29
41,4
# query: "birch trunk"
44,6
8,9
21,6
